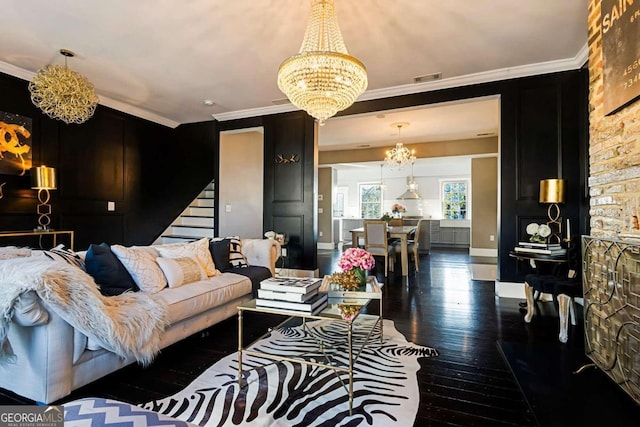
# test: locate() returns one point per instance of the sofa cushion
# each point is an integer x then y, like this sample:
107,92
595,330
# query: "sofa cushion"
141,264
108,272
236,258
198,250
28,311
61,253
197,297
254,273
179,271
219,248
234,248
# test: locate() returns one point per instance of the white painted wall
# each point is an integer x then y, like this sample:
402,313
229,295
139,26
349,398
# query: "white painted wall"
241,184
427,176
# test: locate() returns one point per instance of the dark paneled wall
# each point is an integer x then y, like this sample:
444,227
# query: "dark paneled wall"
290,204
150,171
291,188
543,134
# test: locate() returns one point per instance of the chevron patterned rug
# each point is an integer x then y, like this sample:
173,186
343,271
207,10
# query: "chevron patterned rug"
293,394
98,412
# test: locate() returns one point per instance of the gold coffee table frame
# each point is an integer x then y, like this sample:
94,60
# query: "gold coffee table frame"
326,314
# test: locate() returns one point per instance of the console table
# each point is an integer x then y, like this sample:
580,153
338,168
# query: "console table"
611,285
40,233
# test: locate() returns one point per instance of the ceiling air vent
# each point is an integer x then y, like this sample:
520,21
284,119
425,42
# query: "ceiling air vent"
427,78
281,101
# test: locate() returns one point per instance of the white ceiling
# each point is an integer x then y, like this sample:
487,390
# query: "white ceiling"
439,122
160,59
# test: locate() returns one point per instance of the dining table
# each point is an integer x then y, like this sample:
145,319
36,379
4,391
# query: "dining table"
401,232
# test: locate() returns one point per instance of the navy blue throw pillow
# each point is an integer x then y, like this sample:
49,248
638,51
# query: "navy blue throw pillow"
107,270
219,249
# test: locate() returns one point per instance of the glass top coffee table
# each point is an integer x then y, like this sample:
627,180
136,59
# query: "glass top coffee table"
344,309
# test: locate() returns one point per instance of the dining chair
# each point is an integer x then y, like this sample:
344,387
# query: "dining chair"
395,222
413,246
375,241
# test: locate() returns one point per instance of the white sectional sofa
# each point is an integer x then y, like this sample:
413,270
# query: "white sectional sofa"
53,358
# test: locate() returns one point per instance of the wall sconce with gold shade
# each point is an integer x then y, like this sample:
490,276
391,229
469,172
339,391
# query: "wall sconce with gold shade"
43,179
552,192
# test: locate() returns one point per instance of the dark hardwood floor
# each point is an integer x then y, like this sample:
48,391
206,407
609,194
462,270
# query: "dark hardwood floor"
492,368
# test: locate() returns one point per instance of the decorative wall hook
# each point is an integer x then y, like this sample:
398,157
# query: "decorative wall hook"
292,158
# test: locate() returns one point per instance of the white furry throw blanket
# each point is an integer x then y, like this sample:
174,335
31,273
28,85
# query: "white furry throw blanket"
9,252
130,324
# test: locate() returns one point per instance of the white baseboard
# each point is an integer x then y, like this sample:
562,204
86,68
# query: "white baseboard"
326,245
483,252
510,290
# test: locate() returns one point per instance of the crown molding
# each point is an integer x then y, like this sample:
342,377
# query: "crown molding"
14,71
253,112
582,57
470,79
137,111
484,77
27,75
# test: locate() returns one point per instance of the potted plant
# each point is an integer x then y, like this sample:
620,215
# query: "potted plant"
354,263
398,210
387,217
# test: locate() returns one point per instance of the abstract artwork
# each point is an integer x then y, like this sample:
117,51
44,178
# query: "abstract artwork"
15,144
621,53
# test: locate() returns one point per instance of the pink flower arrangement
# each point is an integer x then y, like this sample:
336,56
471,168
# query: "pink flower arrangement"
397,207
356,258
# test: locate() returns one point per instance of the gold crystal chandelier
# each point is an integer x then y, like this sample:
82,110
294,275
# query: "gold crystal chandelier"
322,78
63,94
400,155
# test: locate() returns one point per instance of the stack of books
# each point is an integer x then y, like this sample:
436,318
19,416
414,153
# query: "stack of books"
292,293
552,249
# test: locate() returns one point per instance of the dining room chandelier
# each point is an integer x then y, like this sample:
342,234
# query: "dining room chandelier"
63,94
400,155
322,78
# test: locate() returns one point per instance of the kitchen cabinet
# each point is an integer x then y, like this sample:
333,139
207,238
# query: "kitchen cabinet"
461,236
425,237
449,236
434,229
348,224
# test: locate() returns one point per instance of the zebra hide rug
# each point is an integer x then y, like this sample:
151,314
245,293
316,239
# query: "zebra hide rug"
294,394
